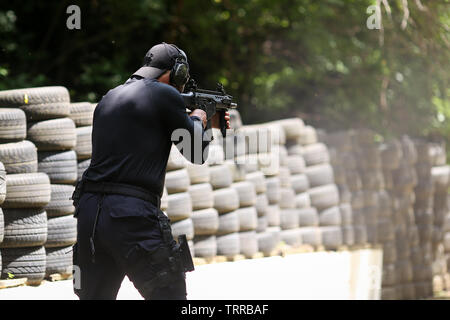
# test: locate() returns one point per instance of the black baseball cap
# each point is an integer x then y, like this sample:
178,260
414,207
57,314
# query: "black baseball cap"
159,59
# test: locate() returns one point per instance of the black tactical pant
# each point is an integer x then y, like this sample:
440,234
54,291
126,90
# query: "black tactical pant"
128,240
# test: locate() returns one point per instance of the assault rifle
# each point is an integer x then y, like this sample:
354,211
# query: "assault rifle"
210,102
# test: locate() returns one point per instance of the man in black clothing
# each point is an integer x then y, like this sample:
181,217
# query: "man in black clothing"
121,229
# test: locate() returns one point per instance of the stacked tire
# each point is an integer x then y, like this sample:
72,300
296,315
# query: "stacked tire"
372,179
342,149
226,204
391,156
179,204
323,192
29,113
82,114
440,244
247,213
264,146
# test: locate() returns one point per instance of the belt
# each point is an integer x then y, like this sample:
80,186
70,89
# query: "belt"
121,189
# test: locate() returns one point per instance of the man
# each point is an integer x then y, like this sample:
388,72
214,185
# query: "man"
121,229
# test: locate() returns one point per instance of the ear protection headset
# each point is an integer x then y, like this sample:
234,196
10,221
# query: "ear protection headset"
179,75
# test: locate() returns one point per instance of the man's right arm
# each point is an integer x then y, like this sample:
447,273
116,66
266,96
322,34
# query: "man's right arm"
186,131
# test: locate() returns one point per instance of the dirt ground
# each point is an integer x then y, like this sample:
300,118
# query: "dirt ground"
297,276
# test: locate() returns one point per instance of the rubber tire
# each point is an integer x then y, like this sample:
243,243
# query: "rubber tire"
262,224
201,196
441,178
330,217
19,157
324,197
2,230
273,215
198,173
259,181
331,237
310,235
302,200
177,181
2,184
59,260
237,170
315,154
370,215
246,193
319,175
266,242
248,218
308,136
389,252
83,146
287,200
300,183
291,237
357,200
228,223
61,167
385,230
216,155
262,204
353,180
206,222
81,168
296,164
292,127
24,228
15,97
220,176
176,160
61,203
273,190
205,246
179,206
226,200
27,190
53,135
24,262
346,214
360,234
13,125
308,217
42,102
82,113
285,177
164,200
348,235
185,226
389,275
62,231
228,244
248,243
289,219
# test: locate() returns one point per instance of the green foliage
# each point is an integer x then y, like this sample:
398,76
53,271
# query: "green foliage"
313,59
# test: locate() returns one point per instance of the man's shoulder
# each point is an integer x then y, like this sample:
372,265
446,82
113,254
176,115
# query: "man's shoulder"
160,87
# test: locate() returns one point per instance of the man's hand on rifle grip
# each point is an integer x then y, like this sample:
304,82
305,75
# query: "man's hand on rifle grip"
201,114
215,120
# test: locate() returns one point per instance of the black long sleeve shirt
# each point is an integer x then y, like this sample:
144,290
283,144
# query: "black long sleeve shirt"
132,134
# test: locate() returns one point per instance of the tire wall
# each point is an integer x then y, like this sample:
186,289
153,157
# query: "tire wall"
277,183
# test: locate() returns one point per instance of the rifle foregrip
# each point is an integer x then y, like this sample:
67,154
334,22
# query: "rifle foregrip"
222,123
